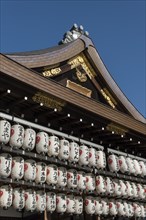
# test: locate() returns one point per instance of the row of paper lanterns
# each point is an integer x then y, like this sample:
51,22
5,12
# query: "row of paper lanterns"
40,201
39,172
27,139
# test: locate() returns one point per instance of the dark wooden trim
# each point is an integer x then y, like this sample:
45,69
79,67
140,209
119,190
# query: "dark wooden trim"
17,71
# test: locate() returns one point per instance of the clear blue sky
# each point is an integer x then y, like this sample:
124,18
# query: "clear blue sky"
117,28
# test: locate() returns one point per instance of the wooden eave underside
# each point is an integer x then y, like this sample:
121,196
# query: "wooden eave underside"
48,58
21,73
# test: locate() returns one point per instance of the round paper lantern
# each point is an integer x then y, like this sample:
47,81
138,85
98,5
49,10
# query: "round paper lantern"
5,165
84,155
78,205
18,198
89,205
141,191
5,129
61,204
98,207
123,164
53,149
29,139
143,167
73,152
131,209
105,207
30,200
113,163
127,210
64,149
117,189
40,172
101,159
100,185
135,190
62,177
17,136
29,170
17,171
72,178
112,208
81,180
70,204
123,188
129,189
90,182
137,209
50,201
92,157
143,211
109,186
120,208
40,201
5,196
52,174
130,164
138,170
42,141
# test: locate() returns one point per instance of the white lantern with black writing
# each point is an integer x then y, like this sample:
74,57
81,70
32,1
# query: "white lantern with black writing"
62,177
105,207
30,200
123,188
116,187
52,174
141,191
130,164
113,163
73,152
5,165
137,209
129,189
101,159
40,201
70,204
40,172
120,208
90,182
29,170
78,205
143,211
98,206
61,204
100,184
84,155
63,149
5,196
127,210
81,180
5,129
123,164
42,141
17,136
143,167
50,201
109,186
29,139
92,157
138,170
17,171
131,209
135,189
112,208
18,198
53,149
72,178
89,205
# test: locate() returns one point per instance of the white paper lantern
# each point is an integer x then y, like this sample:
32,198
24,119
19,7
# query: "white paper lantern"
62,177
112,208
123,188
50,201
74,152
29,170
105,207
29,139
113,163
141,191
30,200
138,170
5,129
42,142
101,159
143,167
61,204
40,201
143,211
109,186
84,155
129,189
135,190
78,205
89,205
5,165
131,209
5,196
120,208
17,171
53,149
64,149
40,172
81,180
130,164
70,204
52,174
90,182
92,157
98,207
137,210
18,198
72,178
17,136
123,164
100,185
117,189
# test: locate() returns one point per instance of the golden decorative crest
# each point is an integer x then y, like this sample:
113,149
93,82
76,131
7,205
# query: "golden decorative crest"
108,98
52,72
81,76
